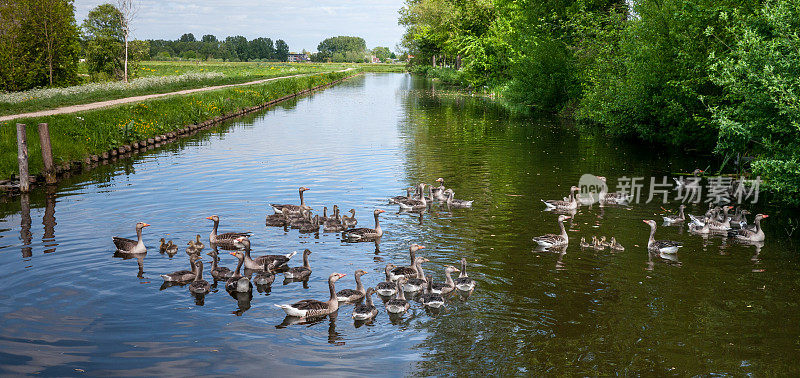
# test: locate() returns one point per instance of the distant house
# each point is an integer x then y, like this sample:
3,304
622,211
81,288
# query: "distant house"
375,59
298,58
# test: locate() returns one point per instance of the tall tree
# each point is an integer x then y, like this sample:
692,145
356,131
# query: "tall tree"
281,50
103,28
209,38
187,37
127,9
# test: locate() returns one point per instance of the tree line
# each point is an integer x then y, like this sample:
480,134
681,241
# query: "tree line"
715,76
235,48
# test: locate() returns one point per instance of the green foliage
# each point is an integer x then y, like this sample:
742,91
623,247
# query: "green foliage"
104,58
760,114
38,44
281,50
341,49
104,21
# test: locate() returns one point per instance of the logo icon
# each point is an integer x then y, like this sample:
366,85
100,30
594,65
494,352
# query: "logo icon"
592,187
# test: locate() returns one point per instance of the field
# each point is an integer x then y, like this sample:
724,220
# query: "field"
77,135
164,77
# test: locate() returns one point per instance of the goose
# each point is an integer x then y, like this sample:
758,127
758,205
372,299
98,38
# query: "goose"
417,283
367,310
616,198
268,262
309,308
431,299
353,295
218,272
324,218
452,202
660,246
615,246
739,218
303,220
584,244
700,227
277,220
263,278
331,226
680,183
309,228
597,245
237,282
720,222
679,218
290,208
198,245
182,275
399,304
190,249
171,249
438,192
350,221
397,199
162,247
552,240
415,203
449,285
386,288
748,235
226,239
132,246
335,218
199,285
571,204
300,272
407,271
464,282
360,234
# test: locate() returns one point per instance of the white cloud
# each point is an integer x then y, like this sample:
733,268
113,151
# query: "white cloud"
301,23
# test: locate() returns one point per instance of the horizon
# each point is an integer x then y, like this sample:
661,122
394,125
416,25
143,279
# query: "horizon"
302,24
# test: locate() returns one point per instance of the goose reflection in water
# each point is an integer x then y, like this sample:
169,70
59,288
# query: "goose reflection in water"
242,301
139,260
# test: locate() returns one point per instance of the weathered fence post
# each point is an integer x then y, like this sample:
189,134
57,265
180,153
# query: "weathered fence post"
47,153
22,158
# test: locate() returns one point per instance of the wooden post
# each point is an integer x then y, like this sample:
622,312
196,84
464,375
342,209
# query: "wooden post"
47,153
22,159
433,60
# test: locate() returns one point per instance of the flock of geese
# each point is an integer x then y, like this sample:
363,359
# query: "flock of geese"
261,271
718,220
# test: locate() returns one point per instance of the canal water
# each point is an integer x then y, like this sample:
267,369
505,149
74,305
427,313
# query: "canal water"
69,306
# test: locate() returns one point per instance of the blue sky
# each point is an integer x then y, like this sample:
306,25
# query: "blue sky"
301,23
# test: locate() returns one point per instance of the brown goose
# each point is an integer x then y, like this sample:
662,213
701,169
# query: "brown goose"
616,198
452,202
415,203
748,235
199,285
162,247
277,220
661,246
386,288
133,246
552,240
264,262
171,249
300,272
367,310
198,245
437,192
350,221
397,199
226,239
237,282
182,275
679,218
291,208
309,228
463,282
399,304
407,271
362,234
571,204
448,285
331,226
417,283
309,308
353,295
429,298
218,272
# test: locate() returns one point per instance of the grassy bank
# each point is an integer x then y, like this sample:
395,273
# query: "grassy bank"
164,77
77,135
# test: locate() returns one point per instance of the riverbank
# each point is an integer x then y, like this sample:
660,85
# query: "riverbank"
86,138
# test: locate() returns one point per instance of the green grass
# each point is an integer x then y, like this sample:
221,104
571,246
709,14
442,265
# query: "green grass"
77,135
229,73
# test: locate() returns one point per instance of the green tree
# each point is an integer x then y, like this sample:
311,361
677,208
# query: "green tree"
188,37
209,38
262,48
103,28
104,20
38,44
382,53
281,50
342,49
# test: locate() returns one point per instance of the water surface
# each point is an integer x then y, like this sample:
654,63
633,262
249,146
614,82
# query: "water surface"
69,306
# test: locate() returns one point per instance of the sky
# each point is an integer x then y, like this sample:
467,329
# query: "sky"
303,24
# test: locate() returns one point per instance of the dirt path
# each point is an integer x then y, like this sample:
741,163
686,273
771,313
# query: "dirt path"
127,100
